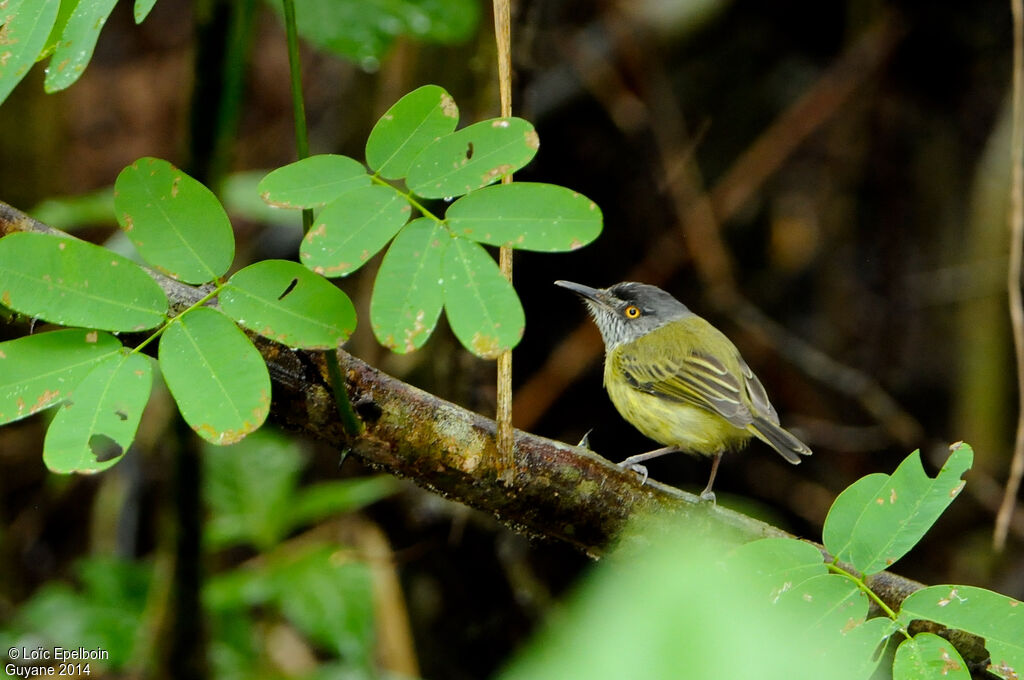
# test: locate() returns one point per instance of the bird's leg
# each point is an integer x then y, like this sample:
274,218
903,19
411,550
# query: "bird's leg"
707,494
633,462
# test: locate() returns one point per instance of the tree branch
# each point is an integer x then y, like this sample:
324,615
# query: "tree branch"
562,492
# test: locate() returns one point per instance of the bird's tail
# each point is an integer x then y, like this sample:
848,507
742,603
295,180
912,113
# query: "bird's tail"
788,446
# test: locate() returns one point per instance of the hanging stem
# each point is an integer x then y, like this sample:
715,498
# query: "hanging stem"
1013,282
505,435
349,420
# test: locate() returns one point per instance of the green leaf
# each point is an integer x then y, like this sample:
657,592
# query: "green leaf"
320,501
997,618
363,30
482,306
328,596
77,43
286,302
778,564
928,656
351,230
473,157
177,224
94,429
527,216
408,127
40,370
74,283
408,295
216,376
312,182
142,9
880,518
26,26
250,489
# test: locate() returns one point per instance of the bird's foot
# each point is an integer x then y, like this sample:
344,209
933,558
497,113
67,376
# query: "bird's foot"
585,441
708,497
637,468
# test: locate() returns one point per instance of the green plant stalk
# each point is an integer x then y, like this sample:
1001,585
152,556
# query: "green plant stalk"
160,331
408,196
349,420
836,569
298,105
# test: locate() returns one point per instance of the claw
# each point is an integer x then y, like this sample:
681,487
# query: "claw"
708,497
585,441
637,468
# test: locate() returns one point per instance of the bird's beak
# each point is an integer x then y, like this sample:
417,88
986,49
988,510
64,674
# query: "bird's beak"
596,295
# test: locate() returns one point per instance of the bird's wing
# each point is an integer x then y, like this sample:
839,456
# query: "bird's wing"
759,403
698,379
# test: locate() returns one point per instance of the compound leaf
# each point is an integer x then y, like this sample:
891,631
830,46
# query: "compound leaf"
880,517
409,126
481,305
928,656
312,182
215,375
526,215
74,283
74,50
286,302
176,223
94,429
408,294
473,157
997,618
351,230
40,370
25,29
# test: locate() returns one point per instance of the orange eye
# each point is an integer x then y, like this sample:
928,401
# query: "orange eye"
632,312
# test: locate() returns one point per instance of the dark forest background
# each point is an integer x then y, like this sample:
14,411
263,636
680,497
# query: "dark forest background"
824,181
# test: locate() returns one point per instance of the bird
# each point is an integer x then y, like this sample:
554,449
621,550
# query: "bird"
679,380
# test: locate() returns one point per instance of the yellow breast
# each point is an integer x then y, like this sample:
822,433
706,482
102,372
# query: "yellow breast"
673,423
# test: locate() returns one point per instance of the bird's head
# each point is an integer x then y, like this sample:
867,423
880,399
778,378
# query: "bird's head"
628,310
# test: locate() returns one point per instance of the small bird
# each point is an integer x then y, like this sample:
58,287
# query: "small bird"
678,379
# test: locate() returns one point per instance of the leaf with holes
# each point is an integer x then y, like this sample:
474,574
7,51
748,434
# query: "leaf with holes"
74,50
997,618
93,429
352,229
927,656
312,182
473,157
40,370
481,305
25,28
286,302
526,215
408,127
409,293
215,375
74,283
880,517
176,223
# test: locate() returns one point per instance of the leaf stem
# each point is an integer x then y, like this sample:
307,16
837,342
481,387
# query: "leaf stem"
160,331
410,198
349,419
834,567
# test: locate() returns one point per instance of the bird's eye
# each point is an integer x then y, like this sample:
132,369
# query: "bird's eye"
632,312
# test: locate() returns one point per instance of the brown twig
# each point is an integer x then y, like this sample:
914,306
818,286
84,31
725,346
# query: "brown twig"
1013,282
505,436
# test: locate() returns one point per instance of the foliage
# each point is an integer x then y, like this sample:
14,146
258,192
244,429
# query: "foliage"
66,31
217,377
668,600
254,498
433,263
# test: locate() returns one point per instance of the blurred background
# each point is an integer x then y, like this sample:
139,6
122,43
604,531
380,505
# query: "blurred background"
826,182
